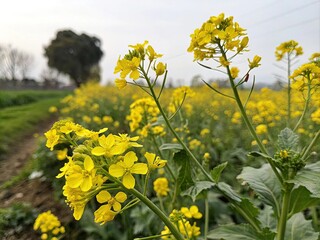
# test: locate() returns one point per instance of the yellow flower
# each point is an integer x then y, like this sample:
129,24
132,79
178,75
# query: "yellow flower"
154,161
120,83
262,129
62,154
48,223
160,186
53,109
255,62
193,212
104,214
160,69
114,202
81,177
125,66
52,138
152,54
234,72
107,146
290,47
126,168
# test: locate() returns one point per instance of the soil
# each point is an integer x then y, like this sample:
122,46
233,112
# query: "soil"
37,191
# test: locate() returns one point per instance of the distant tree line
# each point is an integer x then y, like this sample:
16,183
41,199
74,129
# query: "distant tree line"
15,64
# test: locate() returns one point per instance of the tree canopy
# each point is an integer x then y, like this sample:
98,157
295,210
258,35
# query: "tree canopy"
75,55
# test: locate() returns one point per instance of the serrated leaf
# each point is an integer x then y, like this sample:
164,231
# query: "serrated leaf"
298,228
287,139
197,188
216,171
185,176
309,177
240,232
248,210
300,199
171,146
264,183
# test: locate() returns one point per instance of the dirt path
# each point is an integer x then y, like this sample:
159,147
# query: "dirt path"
36,192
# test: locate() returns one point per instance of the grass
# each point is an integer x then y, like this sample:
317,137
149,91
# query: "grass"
18,121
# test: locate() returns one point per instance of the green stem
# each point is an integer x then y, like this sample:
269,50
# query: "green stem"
306,105
289,92
309,148
207,175
159,213
281,228
315,217
246,118
175,232
206,223
153,237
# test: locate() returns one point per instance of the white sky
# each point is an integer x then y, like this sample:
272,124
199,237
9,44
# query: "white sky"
167,24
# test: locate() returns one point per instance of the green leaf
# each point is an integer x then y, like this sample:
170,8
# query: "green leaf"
267,218
298,228
243,205
287,139
216,172
309,177
264,183
259,154
185,176
171,146
197,188
301,199
240,232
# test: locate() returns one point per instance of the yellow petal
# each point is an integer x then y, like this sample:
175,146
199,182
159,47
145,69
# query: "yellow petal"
116,170
128,181
103,196
132,156
139,168
150,157
88,163
121,197
135,75
78,211
116,206
74,180
98,151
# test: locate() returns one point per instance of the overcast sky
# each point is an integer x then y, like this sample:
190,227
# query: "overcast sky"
167,24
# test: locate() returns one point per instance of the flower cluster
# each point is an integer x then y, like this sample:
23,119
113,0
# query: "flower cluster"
133,63
215,38
307,75
182,218
290,48
98,166
49,226
143,116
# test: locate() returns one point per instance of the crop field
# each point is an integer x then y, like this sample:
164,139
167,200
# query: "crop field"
139,160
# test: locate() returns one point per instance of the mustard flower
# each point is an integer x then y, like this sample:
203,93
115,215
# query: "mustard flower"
104,214
125,66
114,202
193,212
52,138
62,154
234,71
152,54
107,146
154,161
126,168
261,129
160,186
82,177
290,47
120,83
48,223
160,69
255,62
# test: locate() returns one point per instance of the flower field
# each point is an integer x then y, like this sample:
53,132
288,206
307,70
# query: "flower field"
141,161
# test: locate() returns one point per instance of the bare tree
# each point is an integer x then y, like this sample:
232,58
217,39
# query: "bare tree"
25,63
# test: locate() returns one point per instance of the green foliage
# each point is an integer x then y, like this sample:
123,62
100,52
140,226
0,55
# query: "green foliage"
298,228
197,188
18,218
216,172
185,176
309,177
265,185
240,232
287,139
75,55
